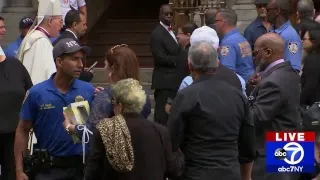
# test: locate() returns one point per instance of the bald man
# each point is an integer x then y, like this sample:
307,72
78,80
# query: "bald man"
274,102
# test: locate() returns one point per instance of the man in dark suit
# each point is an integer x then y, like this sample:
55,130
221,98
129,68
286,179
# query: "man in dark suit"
76,27
274,103
166,55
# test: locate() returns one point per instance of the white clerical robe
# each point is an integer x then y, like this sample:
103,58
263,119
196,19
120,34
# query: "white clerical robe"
36,55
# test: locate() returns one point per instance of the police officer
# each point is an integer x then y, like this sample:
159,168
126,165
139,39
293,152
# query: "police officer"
234,51
278,15
42,110
24,26
260,25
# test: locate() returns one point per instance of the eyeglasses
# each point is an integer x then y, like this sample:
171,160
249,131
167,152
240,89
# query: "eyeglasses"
217,20
116,46
261,6
255,52
271,8
304,39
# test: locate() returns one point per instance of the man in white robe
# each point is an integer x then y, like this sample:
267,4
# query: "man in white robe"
35,51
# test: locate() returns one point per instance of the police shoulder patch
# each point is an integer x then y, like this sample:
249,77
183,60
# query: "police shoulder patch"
25,97
293,47
224,50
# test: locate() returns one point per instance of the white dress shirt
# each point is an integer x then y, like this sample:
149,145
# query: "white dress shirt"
170,32
1,52
72,33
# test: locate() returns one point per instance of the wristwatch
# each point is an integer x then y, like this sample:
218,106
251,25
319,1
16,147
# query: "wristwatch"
67,128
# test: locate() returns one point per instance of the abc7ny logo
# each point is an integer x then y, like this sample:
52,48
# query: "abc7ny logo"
292,153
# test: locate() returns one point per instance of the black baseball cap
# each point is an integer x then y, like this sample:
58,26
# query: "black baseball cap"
261,2
68,46
25,22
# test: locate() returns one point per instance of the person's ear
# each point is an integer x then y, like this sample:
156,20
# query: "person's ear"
278,11
58,62
74,25
268,52
117,108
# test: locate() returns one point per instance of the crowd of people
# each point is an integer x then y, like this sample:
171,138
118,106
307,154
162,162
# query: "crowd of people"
217,92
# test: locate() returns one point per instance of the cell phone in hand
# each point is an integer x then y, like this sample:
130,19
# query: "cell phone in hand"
92,66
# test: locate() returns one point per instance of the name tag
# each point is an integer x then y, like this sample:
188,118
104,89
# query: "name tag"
46,106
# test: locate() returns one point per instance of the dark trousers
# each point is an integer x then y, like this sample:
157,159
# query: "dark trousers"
259,172
61,174
160,97
7,157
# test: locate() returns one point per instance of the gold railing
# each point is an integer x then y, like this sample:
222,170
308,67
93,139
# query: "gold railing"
185,10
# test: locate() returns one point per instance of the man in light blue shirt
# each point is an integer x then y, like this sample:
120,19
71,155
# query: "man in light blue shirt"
24,26
187,81
282,26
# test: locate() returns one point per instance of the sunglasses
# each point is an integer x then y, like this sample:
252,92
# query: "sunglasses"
255,52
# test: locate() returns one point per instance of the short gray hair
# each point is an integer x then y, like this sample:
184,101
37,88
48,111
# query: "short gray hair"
203,56
305,9
230,16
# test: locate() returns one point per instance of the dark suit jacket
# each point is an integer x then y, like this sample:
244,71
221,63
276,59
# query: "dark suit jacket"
225,74
85,75
153,157
166,54
64,35
275,102
210,122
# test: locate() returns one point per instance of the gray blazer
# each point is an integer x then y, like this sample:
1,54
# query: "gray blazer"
274,103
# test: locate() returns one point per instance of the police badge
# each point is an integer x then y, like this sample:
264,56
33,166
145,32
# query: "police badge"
78,99
293,47
224,51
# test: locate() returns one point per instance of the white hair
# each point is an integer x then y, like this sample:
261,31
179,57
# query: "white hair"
203,56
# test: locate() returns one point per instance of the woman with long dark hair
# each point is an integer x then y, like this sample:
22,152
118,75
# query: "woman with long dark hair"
310,79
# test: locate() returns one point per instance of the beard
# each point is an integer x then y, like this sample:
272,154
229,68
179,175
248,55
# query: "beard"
261,65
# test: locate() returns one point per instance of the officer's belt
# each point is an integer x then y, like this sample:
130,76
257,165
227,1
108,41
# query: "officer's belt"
66,162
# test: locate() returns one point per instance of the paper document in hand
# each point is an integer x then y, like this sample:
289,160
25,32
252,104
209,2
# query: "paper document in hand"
78,113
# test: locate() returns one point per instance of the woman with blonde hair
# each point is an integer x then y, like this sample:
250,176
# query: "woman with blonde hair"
127,146
120,63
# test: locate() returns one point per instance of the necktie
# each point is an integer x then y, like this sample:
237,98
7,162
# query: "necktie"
169,28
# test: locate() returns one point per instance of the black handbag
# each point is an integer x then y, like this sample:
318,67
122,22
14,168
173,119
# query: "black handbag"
310,117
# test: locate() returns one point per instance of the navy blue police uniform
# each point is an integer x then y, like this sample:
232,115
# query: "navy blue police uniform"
43,106
235,53
254,31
